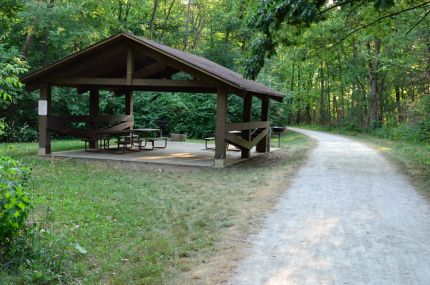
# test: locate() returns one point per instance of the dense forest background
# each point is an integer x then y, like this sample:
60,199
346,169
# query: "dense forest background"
360,65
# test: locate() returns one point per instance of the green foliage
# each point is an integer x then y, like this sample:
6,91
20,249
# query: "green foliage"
271,16
310,50
14,198
11,66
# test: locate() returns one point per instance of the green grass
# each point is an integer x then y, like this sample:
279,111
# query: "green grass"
138,225
411,157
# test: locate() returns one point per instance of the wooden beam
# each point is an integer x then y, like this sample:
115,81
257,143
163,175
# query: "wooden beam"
162,83
247,126
264,144
246,117
43,111
172,83
130,66
89,119
129,102
95,81
220,132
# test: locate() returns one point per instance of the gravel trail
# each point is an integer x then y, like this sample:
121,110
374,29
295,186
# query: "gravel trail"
350,217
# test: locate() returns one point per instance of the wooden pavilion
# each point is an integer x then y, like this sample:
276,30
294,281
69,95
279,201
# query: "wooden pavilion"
124,63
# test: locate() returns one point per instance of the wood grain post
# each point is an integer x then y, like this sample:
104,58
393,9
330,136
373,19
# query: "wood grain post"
130,66
220,132
94,112
246,117
129,102
44,110
264,144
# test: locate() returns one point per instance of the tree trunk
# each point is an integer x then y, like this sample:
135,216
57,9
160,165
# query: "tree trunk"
373,77
381,99
166,20
342,93
29,36
292,77
398,105
119,10
153,18
328,97
187,24
322,113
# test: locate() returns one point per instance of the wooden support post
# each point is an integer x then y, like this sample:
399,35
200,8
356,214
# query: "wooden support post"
129,102
44,110
94,112
130,66
220,132
246,117
264,144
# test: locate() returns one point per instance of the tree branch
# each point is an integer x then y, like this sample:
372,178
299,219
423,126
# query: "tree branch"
417,23
335,6
380,19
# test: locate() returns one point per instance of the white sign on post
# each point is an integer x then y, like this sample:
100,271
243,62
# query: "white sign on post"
43,108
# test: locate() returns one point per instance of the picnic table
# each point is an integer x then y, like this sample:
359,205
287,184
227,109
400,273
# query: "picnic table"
128,138
147,135
123,138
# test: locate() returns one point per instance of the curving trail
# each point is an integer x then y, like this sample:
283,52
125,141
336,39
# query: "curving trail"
350,217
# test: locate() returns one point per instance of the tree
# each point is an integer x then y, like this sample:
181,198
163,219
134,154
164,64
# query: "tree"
11,66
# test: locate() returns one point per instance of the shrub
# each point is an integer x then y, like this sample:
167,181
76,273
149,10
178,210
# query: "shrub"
14,198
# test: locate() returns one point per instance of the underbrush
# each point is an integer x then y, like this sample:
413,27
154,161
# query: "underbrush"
28,250
37,257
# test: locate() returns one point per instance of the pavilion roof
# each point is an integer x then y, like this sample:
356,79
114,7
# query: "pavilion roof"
175,59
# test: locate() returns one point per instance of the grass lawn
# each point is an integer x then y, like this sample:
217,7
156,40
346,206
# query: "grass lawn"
412,158
113,223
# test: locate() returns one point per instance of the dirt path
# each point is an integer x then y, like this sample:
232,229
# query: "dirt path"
349,218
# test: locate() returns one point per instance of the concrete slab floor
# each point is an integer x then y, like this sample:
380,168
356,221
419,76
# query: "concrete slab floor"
176,153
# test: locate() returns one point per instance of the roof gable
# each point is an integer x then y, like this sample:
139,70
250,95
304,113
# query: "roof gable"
112,51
